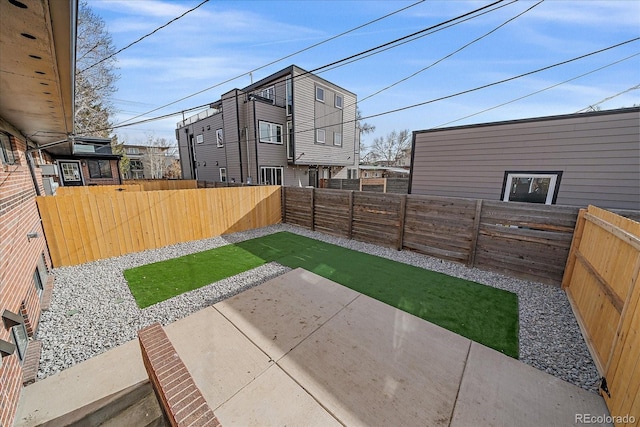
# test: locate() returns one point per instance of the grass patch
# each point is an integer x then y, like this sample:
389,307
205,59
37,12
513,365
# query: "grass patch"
481,313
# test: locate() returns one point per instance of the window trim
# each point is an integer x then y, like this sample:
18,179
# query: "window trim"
273,168
336,144
199,139
288,95
554,184
270,124
20,350
37,282
223,178
324,136
341,97
268,90
219,138
99,169
321,89
7,155
289,138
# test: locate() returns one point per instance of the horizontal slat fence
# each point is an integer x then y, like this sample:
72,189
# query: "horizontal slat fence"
519,239
87,227
602,281
163,184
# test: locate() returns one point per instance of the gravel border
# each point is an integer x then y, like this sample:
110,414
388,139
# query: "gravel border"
93,311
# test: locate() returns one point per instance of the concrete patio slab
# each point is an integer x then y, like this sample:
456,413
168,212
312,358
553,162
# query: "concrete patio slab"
75,388
273,399
375,365
497,390
279,316
219,357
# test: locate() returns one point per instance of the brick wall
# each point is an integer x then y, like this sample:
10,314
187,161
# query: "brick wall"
178,395
115,180
18,260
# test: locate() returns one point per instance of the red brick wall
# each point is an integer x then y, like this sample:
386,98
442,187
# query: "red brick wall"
18,260
100,181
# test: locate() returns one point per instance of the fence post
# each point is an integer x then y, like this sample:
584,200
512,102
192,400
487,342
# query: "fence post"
474,234
384,185
402,215
283,201
313,215
350,232
575,245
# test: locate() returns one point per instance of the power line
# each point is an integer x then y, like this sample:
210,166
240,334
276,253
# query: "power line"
455,94
591,107
276,61
545,89
143,37
499,82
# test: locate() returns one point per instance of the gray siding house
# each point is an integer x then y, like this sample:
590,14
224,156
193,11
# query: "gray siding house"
576,159
290,128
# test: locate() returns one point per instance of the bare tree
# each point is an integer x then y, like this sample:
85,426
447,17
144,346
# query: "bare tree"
363,128
159,156
95,76
392,148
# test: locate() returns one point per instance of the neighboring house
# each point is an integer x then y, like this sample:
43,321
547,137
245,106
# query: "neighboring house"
575,159
147,162
291,128
86,161
36,111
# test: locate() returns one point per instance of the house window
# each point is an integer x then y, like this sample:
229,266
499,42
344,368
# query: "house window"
37,281
133,150
320,136
199,139
352,173
289,140
270,175
339,101
219,138
319,94
223,174
135,165
289,95
531,187
270,132
269,93
6,148
19,335
99,168
337,139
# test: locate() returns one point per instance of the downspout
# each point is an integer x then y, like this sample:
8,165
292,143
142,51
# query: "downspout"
32,172
255,139
239,137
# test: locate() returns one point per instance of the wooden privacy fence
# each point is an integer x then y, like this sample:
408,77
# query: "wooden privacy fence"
163,184
87,227
601,281
519,239
96,189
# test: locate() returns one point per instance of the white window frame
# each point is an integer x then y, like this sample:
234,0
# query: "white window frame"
219,138
341,103
289,95
289,137
320,94
320,136
551,193
133,150
223,174
199,139
272,131
272,170
337,139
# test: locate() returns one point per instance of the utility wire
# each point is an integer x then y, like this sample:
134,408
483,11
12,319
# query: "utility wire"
545,89
328,65
142,38
498,82
276,61
447,96
591,107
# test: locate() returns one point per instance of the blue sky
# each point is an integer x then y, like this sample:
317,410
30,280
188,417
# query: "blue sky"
224,39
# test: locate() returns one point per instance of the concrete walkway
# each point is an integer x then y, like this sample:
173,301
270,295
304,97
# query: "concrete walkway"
302,350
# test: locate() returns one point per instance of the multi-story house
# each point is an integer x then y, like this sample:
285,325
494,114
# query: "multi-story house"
149,162
290,128
37,40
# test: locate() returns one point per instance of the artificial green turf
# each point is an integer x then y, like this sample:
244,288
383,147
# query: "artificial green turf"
481,313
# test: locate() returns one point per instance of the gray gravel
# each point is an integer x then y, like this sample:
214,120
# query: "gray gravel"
93,311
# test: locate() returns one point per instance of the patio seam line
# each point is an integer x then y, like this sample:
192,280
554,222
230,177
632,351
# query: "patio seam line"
464,370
